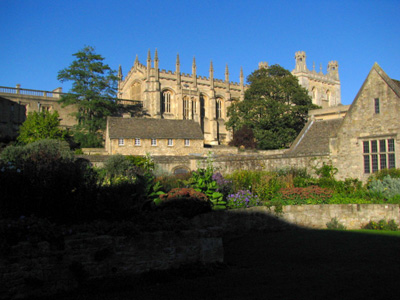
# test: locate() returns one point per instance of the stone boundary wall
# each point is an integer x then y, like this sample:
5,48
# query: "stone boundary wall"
35,270
353,216
228,163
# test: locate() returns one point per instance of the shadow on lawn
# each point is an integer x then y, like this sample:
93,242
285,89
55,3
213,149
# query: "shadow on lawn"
278,261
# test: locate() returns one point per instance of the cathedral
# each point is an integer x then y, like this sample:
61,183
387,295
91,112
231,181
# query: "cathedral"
205,100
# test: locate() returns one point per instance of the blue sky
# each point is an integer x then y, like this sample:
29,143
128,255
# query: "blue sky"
38,37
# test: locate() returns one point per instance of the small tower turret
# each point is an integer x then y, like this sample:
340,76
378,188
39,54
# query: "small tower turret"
194,73
148,64
333,69
178,71
211,75
301,65
136,63
120,77
227,77
156,69
262,65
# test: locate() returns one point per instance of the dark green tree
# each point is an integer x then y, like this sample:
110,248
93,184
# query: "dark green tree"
94,92
39,126
275,107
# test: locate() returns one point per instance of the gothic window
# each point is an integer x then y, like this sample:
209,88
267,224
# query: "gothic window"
194,106
219,108
328,95
186,108
378,155
166,101
314,94
376,105
136,91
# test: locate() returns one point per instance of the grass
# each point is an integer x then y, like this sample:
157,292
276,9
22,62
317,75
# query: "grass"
296,264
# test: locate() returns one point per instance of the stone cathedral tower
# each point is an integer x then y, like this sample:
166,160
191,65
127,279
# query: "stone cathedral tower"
324,89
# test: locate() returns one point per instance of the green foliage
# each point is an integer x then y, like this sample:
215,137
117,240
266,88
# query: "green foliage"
275,108
39,126
326,171
379,175
94,90
43,178
202,181
388,187
334,224
244,137
187,202
382,225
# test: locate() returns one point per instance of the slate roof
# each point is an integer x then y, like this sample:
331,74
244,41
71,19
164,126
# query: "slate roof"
396,82
153,128
314,138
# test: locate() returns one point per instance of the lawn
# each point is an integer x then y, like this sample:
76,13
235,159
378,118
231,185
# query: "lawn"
296,264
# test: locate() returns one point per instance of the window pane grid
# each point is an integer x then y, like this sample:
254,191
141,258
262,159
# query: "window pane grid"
378,155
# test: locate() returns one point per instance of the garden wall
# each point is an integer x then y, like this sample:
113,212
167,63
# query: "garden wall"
32,270
353,216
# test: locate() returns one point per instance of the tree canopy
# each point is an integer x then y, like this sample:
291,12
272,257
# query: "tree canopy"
39,126
275,107
94,92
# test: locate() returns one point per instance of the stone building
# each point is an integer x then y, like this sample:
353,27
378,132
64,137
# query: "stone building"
139,136
365,139
180,96
16,103
324,89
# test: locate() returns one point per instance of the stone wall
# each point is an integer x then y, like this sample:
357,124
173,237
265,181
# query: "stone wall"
353,216
33,270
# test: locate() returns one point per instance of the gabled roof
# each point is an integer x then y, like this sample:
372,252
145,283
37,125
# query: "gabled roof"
153,128
314,138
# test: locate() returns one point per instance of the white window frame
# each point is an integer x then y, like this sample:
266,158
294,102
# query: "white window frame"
170,142
154,142
121,142
137,142
187,142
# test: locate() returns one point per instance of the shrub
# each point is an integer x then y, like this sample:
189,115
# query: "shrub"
307,195
244,137
334,224
44,178
382,225
186,202
326,170
224,186
243,199
387,187
393,173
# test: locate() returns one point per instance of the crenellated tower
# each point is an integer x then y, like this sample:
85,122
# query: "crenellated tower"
324,89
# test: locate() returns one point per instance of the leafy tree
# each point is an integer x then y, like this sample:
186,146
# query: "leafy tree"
39,126
244,137
275,107
94,90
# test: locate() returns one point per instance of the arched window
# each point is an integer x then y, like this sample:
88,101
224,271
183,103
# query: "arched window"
186,108
314,95
194,106
219,108
166,101
136,91
328,96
